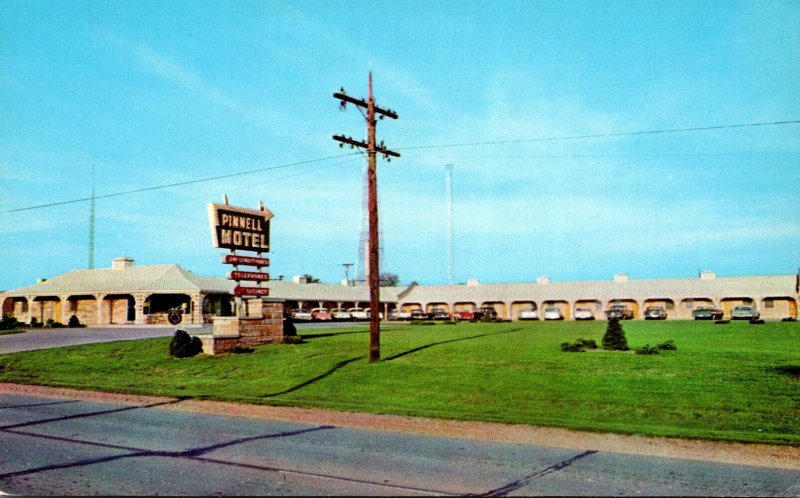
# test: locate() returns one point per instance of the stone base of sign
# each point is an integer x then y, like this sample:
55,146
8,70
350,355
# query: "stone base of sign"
229,332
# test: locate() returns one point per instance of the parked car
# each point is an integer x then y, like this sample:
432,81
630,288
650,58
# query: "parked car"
619,311
485,311
707,313
301,314
358,313
321,314
463,315
745,312
340,314
584,314
419,315
401,315
528,314
655,313
553,313
439,314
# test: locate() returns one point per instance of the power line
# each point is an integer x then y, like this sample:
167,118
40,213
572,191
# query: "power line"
600,135
419,147
177,184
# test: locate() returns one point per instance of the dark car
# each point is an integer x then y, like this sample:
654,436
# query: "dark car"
655,313
419,315
486,311
619,311
439,314
707,313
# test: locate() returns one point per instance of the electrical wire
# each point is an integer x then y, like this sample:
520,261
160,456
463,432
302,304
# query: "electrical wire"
419,147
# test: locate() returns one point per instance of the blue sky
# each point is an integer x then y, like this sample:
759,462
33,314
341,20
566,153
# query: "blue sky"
158,93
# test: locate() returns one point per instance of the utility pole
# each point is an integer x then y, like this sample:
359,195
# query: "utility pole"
373,148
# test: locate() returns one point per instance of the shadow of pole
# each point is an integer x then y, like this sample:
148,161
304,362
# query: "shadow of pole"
330,372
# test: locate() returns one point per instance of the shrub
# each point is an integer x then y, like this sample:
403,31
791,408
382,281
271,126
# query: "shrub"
423,322
50,323
184,346
289,330
8,323
35,323
789,319
646,349
74,322
614,338
722,322
667,346
757,322
579,345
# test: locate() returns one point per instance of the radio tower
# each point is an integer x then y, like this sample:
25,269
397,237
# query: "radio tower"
449,181
362,261
91,226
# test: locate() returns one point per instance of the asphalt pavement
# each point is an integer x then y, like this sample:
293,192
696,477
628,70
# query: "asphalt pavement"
43,338
63,446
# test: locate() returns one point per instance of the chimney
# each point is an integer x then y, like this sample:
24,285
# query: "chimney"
543,280
473,282
621,277
707,275
121,263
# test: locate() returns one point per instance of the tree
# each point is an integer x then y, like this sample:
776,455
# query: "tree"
310,279
614,339
389,280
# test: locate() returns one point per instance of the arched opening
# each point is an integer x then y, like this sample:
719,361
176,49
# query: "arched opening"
158,306
518,307
119,309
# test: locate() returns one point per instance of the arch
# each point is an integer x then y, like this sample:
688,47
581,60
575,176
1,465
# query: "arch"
409,307
690,303
119,309
778,307
17,307
217,305
728,303
632,305
564,306
157,307
519,306
666,303
46,308
595,305
84,307
437,305
499,306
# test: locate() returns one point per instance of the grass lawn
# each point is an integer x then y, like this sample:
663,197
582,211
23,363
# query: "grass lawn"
736,382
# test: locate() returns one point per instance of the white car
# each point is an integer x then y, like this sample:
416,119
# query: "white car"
358,313
584,314
402,315
528,314
302,314
340,314
553,313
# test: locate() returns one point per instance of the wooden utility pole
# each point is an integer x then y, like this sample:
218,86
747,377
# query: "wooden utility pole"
373,148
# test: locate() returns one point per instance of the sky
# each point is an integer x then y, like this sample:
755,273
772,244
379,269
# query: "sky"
541,107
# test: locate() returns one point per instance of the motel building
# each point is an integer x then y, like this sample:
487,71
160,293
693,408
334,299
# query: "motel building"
127,294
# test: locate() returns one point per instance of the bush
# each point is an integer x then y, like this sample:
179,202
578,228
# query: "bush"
614,338
74,322
646,349
667,346
789,319
9,323
183,346
423,322
757,322
722,322
50,323
35,323
579,345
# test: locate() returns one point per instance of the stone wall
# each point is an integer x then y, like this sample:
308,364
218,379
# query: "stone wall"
229,332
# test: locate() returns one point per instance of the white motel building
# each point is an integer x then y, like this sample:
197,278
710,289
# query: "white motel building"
127,294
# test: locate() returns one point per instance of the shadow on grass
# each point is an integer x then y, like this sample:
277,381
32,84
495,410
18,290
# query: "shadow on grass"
313,380
790,370
426,346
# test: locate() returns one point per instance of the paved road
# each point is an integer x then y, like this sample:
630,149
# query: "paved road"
63,446
54,338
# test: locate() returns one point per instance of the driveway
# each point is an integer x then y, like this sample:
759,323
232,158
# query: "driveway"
55,338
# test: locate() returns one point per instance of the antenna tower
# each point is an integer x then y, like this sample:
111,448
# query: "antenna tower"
91,226
450,266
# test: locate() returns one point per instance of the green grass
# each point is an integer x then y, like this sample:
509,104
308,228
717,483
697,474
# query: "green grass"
738,382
